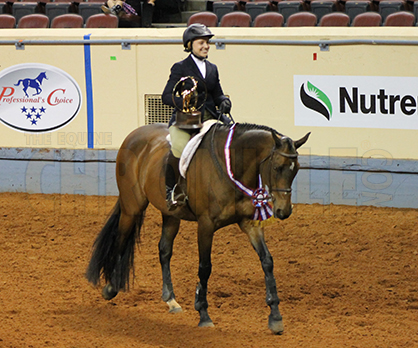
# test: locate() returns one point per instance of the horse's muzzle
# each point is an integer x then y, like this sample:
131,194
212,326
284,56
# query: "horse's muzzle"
282,214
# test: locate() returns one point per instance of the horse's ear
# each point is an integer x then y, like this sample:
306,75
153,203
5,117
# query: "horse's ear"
300,142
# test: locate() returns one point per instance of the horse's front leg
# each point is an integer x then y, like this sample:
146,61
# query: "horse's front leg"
256,236
205,239
169,232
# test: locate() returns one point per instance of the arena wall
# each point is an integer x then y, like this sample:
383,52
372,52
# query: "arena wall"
361,150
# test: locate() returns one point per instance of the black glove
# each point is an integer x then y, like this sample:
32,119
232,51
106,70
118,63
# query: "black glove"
225,107
225,119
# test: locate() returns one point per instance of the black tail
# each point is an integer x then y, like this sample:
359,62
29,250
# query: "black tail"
112,256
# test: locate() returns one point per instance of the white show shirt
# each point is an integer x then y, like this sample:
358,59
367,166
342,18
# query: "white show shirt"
201,65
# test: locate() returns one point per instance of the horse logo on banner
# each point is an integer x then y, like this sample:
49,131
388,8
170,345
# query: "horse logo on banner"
37,97
33,83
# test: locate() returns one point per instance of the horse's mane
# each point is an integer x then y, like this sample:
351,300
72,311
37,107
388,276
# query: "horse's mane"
241,128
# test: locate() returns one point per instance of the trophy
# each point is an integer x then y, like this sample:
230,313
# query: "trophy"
189,117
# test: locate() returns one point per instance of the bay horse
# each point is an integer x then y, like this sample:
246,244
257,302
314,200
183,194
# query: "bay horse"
259,157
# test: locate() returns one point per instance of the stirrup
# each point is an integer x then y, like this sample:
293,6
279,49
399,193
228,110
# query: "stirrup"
176,199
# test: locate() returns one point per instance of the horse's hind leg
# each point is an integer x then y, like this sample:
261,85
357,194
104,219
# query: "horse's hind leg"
169,232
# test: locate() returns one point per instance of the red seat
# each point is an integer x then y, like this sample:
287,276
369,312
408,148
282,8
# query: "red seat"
269,19
69,20
255,8
387,7
289,7
400,19
220,8
24,8
206,17
335,19
102,20
323,7
355,7
33,21
90,8
236,19
7,21
367,19
302,19
60,7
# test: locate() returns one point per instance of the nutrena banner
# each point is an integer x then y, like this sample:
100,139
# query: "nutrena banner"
37,97
356,101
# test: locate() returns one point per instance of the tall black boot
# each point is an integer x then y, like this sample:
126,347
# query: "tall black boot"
175,196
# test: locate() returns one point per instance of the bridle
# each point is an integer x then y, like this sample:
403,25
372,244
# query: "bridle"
270,157
260,196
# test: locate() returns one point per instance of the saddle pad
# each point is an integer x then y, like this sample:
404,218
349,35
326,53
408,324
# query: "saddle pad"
192,146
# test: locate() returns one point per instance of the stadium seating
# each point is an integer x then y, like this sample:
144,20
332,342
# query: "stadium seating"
355,7
59,7
206,17
302,19
7,21
87,9
289,7
334,19
33,21
220,8
269,19
23,8
257,7
236,19
390,6
400,19
257,13
102,20
323,7
367,19
69,20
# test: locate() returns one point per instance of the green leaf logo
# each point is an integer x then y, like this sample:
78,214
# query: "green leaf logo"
313,98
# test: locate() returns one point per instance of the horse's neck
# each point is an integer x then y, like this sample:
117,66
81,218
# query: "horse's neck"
248,150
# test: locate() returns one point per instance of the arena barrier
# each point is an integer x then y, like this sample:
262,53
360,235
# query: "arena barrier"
355,89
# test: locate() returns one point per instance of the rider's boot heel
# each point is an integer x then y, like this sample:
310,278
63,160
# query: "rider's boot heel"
175,197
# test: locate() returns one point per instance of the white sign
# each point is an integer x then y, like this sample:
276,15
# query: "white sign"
356,101
37,97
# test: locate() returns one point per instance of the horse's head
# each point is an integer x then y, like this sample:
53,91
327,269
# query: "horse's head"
42,76
278,171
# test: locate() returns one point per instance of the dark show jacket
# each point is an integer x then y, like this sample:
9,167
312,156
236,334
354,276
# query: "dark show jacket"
188,67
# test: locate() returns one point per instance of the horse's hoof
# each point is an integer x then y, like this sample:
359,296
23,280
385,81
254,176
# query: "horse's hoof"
206,324
108,293
276,326
173,306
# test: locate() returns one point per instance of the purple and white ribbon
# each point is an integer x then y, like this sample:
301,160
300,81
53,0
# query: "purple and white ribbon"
260,196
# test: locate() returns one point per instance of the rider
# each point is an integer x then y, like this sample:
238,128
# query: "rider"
196,41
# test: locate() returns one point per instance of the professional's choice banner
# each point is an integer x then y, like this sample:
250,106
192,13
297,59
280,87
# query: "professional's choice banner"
37,97
356,101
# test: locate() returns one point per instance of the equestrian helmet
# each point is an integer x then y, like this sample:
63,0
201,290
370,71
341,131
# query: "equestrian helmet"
193,32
